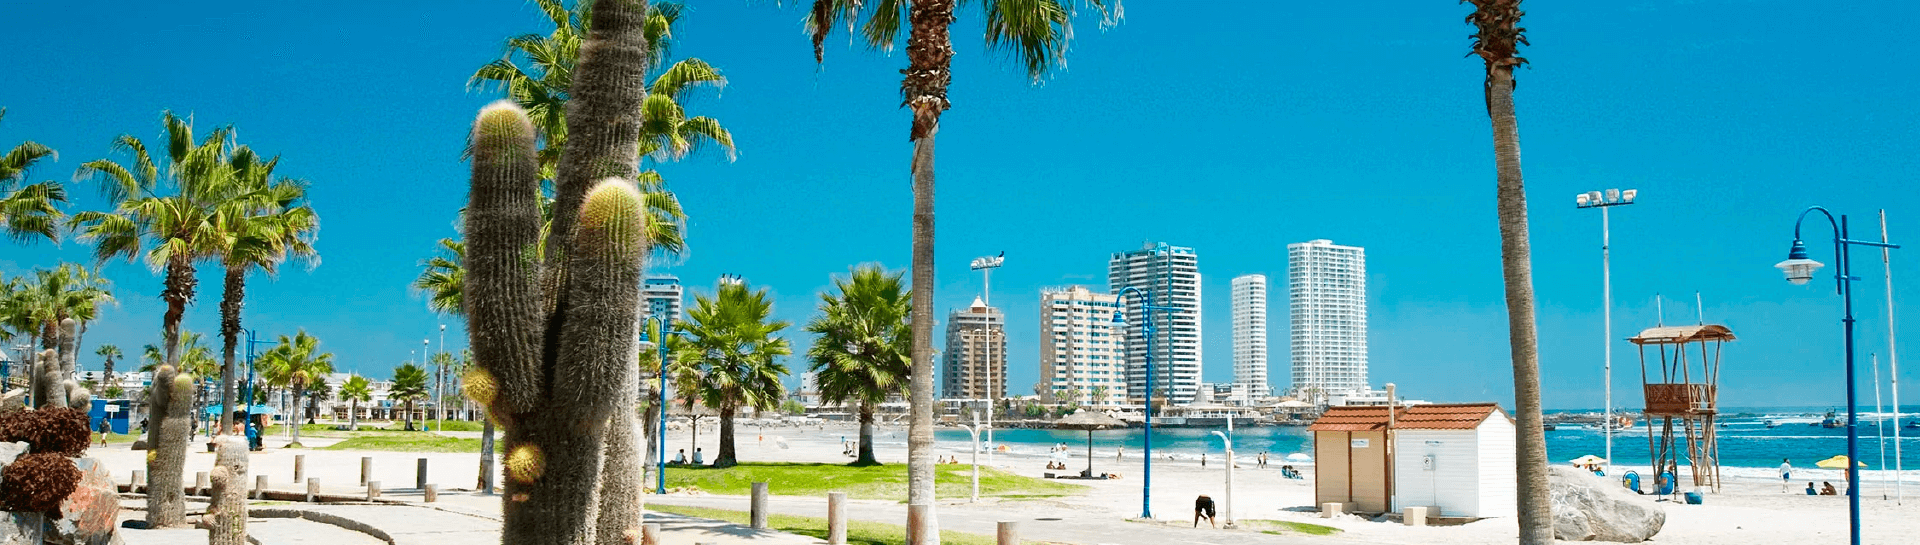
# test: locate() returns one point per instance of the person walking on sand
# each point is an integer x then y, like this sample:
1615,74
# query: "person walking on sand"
1120,453
1786,473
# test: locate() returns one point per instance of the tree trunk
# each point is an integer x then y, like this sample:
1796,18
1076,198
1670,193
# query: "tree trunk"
294,422
232,297
866,436
650,422
486,455
929,71
1535,511
409,415
726,457
177,292
353,415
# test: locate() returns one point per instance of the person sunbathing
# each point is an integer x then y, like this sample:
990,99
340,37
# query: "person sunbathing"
1826,489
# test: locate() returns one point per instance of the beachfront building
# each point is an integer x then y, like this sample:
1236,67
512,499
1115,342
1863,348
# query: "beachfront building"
1081,361
976,355
1250,337
1457,458
1172,275
1327,308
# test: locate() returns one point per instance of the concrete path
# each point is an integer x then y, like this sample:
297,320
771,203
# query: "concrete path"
1039,521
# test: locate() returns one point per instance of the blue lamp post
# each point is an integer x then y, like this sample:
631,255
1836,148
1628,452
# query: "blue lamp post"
660,437
1120,323
1799,270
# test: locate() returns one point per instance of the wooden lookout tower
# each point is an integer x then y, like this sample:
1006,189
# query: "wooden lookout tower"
1683,394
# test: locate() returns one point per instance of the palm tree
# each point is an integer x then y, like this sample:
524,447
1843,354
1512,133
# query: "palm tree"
296,363
271,223
541,84
864,342
31,211
409,385
107,353
1497,40
35,306
1037,32
444,279
356,390
730,356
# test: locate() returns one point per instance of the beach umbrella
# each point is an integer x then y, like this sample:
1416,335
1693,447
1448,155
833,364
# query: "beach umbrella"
1589,460
1300,457
1088,420
1836,462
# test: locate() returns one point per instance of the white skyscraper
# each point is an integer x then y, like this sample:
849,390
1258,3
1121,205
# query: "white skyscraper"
1172,275
1250,336
1080,355
1327,301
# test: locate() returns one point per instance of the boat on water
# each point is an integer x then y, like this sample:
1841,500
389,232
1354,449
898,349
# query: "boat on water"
1831,421
1915,425
1771,424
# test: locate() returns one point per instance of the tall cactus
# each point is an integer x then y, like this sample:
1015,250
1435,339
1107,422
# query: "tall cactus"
226,518
172,401
69,338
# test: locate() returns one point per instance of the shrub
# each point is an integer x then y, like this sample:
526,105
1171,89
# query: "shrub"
38,482
49,430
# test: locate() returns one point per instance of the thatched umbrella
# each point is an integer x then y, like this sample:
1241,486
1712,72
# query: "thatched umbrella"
1089,420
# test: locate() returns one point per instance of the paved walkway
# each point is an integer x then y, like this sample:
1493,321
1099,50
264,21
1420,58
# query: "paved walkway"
1052,523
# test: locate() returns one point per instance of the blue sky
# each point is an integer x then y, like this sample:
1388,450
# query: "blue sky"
1230,127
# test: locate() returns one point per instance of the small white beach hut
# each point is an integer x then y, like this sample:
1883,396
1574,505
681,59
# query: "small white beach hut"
1455,458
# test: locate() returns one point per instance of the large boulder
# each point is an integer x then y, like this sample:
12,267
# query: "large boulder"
20,528
88,515
11,451
1591,508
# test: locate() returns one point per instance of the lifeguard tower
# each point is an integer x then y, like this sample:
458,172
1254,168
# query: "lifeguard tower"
1683,388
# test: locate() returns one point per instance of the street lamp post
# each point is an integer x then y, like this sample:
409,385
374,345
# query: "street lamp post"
1120,323
1227,438
975,431
986,265
428,358
439,378
660,435
1604,200
1799,270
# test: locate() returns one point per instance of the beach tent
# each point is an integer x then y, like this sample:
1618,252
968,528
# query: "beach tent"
1455,459
1088,419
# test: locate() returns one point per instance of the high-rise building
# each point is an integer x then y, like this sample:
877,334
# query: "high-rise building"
976,356
663,296
1081,360
1250,336
1172,275
1327,303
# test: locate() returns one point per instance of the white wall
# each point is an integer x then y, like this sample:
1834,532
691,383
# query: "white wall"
1497,481
1452,481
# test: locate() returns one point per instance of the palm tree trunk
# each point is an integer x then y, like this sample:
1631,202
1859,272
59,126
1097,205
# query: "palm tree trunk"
866,436
1535,511
177,292
929,69
295,421
409,415
232,297
353,415
486,455
726,457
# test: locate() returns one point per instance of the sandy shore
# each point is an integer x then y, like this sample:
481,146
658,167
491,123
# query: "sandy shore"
1744,512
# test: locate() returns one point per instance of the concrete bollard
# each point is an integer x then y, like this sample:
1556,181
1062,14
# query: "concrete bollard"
650,533
299,468
432,491
373,490
138,482
259,486
200,483
759,512
1414,516
366,469
313,489
420,475
917,523
836,518
1329,510
1009,533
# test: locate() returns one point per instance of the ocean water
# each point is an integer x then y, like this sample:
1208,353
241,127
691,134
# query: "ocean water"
1748,448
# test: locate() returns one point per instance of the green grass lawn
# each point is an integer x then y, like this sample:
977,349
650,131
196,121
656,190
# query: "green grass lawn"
886,482
1281,527
858,532
408,442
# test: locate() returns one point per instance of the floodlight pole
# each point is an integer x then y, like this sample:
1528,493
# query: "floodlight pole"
1893,360
986,265
1797,257
1604,200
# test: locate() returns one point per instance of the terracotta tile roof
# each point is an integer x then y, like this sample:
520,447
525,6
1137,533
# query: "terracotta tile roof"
1461,416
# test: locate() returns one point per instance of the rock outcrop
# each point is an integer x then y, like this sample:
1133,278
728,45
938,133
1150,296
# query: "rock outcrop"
1591,508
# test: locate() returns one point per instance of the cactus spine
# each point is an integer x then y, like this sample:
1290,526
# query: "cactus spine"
172,401
553,321
226,518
